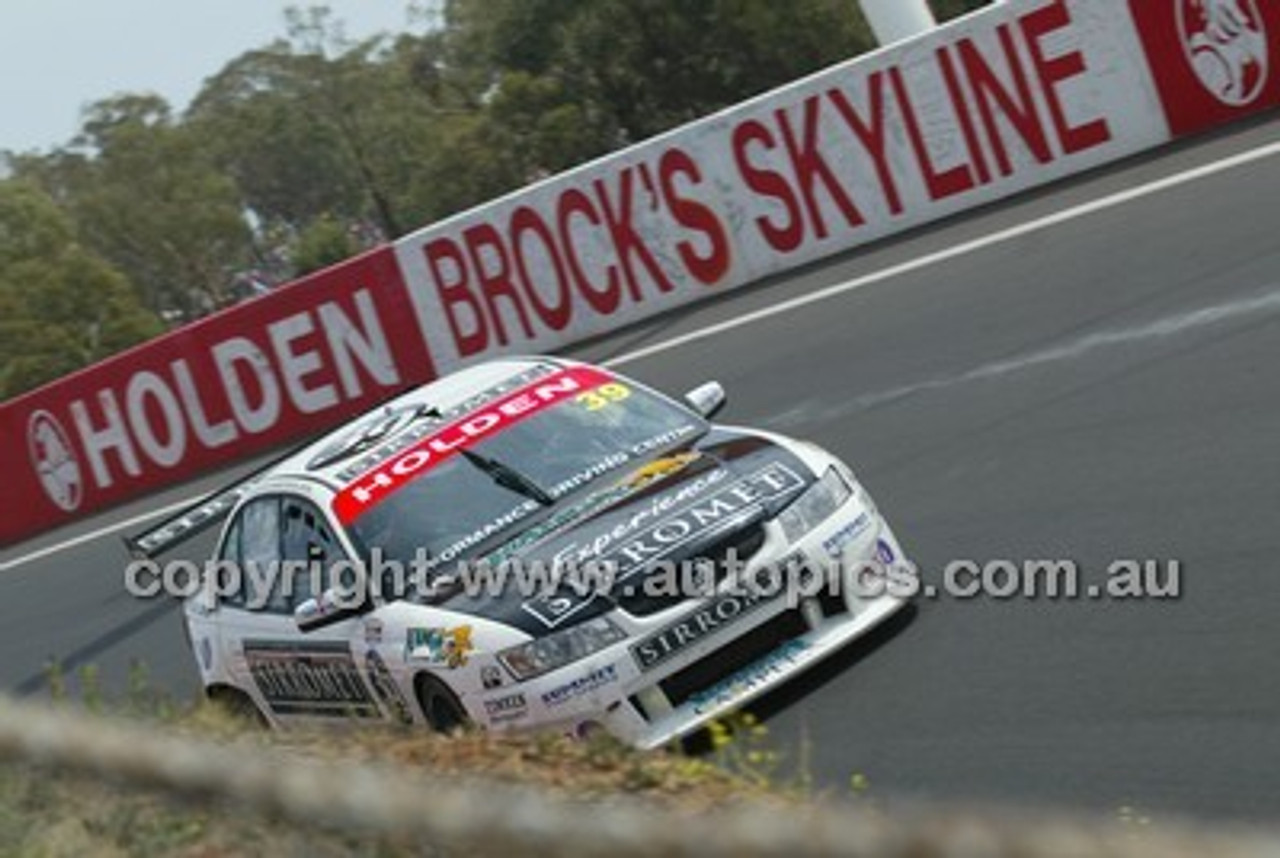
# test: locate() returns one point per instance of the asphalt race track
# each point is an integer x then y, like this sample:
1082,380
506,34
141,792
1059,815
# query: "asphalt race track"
1099,387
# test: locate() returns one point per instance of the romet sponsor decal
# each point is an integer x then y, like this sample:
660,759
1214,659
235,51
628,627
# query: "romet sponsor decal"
374,486
718,614
640,538
648,536
318,678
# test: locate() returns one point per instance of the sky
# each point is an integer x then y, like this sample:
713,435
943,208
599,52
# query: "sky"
57,56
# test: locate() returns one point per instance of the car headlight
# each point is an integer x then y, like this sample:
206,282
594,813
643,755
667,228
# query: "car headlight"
564,647
813,507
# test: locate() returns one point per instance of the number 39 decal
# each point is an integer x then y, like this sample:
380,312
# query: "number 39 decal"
603,396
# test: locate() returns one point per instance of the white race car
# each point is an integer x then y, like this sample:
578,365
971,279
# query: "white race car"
534,543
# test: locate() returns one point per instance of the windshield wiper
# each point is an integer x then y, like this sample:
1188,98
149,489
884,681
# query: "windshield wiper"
509,478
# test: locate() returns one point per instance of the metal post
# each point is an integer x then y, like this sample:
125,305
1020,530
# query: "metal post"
895,20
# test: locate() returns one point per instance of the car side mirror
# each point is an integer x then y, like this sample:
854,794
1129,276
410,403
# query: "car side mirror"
707,399
332,607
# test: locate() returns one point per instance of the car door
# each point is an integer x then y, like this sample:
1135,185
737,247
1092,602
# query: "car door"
286,547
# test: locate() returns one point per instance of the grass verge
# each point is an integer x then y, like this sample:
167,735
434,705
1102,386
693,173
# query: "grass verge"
43,813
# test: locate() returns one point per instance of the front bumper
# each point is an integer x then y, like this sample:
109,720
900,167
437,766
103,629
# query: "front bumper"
649,705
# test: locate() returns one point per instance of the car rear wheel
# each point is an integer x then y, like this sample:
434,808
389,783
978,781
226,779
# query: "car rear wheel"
440,706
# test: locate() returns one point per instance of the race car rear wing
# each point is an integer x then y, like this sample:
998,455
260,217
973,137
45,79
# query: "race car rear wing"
191,521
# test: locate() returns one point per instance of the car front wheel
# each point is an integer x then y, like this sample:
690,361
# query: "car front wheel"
440,706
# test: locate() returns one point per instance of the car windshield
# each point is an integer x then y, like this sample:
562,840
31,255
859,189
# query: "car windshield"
456,506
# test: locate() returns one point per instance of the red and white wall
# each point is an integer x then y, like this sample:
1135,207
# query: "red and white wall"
1018,95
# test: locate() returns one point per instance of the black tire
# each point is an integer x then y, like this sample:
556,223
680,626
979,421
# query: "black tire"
440,706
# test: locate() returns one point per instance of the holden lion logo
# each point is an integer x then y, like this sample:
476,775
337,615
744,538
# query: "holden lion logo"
55,461
1226,43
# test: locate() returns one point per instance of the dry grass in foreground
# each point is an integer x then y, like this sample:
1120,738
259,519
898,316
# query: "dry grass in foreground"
46,814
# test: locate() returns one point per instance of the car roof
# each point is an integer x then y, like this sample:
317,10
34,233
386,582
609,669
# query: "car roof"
317,462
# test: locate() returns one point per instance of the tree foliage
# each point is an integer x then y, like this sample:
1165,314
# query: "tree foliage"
61,306
300,152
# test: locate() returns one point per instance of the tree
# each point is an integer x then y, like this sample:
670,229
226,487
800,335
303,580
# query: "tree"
635,68
61,307
945,10
257,117
305,150
142,192
324,242
316,124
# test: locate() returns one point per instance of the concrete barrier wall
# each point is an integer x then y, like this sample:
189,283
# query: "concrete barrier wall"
996,103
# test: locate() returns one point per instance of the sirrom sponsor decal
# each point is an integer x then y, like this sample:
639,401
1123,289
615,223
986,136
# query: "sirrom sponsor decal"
712,617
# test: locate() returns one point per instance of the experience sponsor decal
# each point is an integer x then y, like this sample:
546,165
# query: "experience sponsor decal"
594,680
1213,60
648,534
698,625
629,484
312,678
367,490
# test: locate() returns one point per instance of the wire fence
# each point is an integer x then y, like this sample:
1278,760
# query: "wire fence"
446,816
